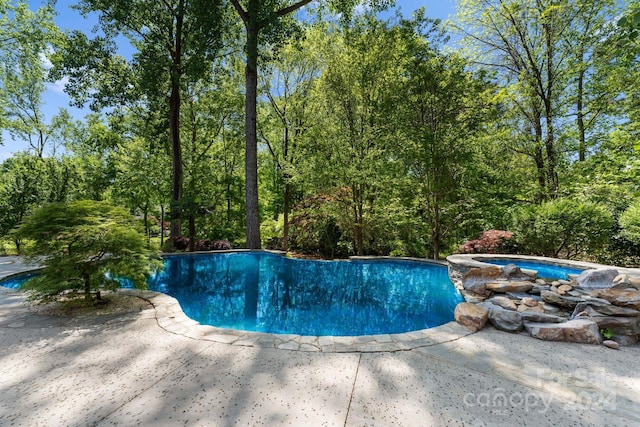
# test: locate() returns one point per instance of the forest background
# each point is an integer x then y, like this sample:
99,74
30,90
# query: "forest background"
333,129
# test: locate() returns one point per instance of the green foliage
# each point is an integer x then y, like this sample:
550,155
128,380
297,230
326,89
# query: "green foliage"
562,228
85,245
630,223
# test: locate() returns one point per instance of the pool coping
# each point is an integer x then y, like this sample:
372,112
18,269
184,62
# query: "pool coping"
475,261
171,318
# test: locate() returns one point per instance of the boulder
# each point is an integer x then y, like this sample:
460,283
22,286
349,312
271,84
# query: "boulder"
504,287
561,300
530,302
597,279
620,297
504,302
513,272
611,344
624,281
530,316
619,325
605,310
471,316
475,279
577,331
506,320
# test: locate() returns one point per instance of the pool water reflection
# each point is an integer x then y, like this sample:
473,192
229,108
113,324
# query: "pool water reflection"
264,292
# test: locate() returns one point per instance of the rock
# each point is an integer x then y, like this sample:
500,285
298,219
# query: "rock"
597,279
531,316
552,309
606,310
504,302
522,295
530,309
562,301
537,289
624,281
611,344
621,278
625,340
506,320
620,297
578,331
566,282
619,325
541,282
475,279
471,316
513,272
563,289
556,283
504,287
553,289
472,297
530,302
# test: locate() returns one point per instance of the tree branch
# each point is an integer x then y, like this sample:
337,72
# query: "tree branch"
287,10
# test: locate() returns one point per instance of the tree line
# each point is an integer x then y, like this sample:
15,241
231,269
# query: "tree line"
317,127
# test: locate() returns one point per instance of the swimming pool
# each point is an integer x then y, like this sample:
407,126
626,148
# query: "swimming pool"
546,271
265,292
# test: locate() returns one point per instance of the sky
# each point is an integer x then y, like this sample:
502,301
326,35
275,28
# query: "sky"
68,20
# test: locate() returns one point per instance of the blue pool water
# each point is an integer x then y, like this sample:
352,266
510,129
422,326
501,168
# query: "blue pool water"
547,271
264,292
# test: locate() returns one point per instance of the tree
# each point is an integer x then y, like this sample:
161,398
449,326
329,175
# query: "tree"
271,21
521,41
441,113
27,38
288,82
86,245
175,40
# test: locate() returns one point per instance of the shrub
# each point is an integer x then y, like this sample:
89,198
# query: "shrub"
489,242
85,245
562,227
222,245
630,223
179,243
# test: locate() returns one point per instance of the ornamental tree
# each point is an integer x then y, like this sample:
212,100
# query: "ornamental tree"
85,245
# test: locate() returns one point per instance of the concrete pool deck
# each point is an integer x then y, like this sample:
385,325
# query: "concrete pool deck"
141,369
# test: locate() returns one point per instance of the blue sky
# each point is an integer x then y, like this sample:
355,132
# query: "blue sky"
68,19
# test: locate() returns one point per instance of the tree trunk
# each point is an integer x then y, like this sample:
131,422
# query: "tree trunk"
192,232
87,285
287,196
161,226
176,150
582,148
251,148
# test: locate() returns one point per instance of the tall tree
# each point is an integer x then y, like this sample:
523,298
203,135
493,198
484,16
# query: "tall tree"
269,20
175,40
522,41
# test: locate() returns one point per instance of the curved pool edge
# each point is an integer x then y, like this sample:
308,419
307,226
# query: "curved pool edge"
467,261
171,318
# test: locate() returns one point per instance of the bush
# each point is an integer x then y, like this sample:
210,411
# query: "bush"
489,242
85,245
208,245
562,228
630,223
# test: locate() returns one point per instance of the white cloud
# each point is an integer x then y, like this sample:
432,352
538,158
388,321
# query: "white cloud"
58,85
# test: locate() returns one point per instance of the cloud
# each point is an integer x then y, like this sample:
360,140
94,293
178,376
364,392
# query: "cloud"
58,85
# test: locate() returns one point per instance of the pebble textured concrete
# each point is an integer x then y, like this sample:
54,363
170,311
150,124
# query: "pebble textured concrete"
158,368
